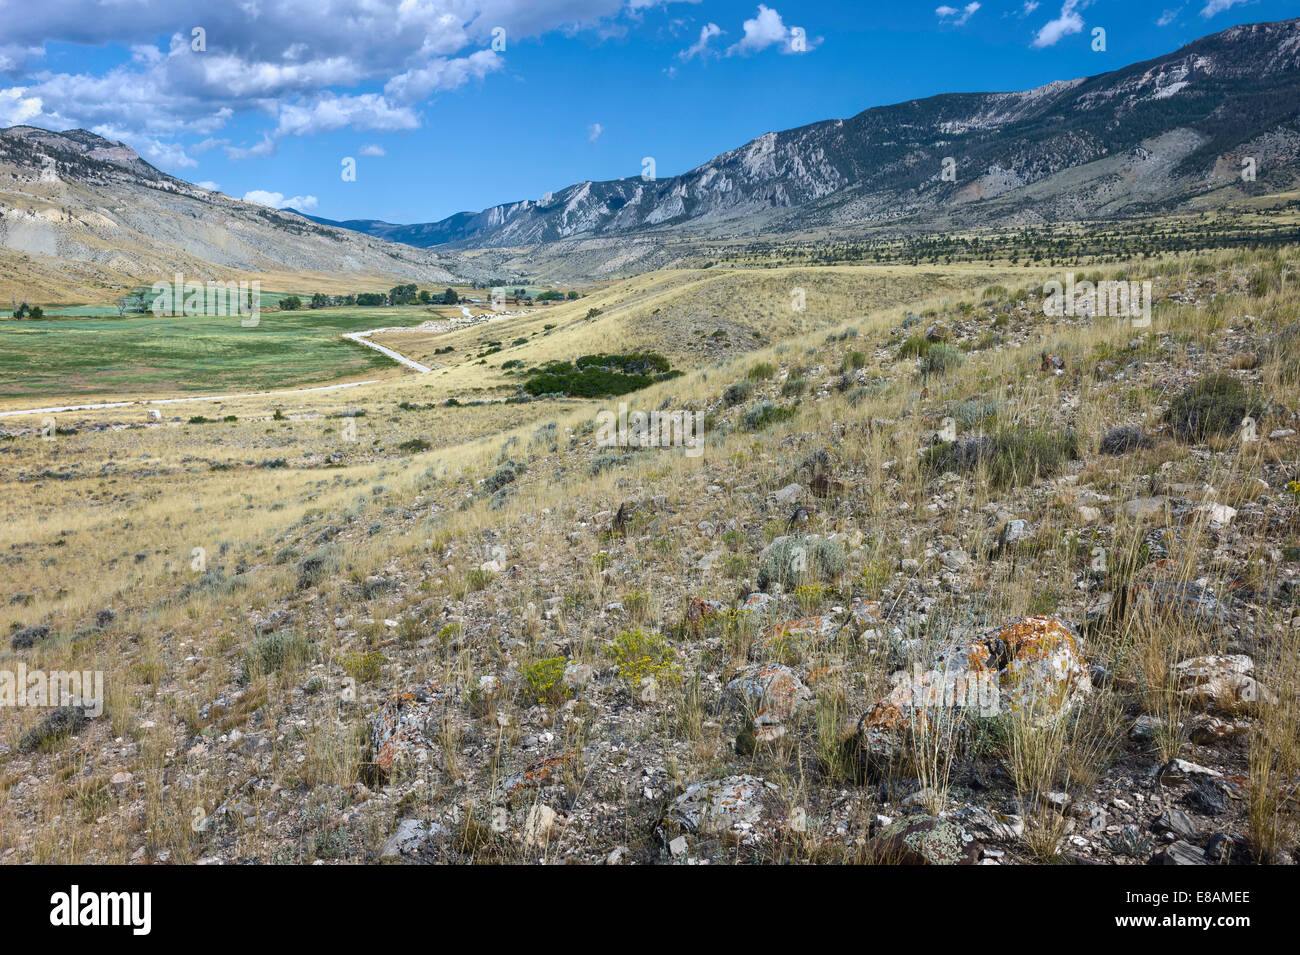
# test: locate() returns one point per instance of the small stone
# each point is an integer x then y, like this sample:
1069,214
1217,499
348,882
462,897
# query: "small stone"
578,675
1145,507
1013,532
924,840
1180,853
1177,822
1209,797
788,494
954,560
1218,513
678,847
649,690
1182,769
405,840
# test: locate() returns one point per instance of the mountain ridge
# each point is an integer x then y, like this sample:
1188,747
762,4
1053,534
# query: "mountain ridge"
80,213
885,164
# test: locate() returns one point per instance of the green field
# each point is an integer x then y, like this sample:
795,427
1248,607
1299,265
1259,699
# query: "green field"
81,357
266,300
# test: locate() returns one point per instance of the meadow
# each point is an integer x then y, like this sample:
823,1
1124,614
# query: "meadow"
108,356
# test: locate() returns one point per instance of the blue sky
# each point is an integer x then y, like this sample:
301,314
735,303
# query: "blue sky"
439,121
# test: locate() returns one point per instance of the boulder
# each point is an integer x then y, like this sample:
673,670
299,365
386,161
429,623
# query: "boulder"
1159,586
1032,666
806,631
1222,684
409,837
772,694
743,808
923,840
401,729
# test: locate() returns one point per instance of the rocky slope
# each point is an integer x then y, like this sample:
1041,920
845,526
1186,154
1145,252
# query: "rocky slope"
91,207
531,649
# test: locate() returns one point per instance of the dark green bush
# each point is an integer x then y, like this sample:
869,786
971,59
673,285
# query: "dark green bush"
1212,406
1010,457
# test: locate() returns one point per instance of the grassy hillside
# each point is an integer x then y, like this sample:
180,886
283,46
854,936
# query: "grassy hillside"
568,633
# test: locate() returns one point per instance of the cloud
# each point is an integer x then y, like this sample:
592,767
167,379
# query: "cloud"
1168,17
16,109
700,47
263,149
1029,7
1068,23
276,200
957,17
307,65
15,57
372,149
1215,7
443,74
209,185
594,131
329,112
767,29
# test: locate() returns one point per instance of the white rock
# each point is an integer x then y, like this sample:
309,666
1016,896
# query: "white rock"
1218,513
540,821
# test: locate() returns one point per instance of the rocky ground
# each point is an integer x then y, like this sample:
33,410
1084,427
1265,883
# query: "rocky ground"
967,587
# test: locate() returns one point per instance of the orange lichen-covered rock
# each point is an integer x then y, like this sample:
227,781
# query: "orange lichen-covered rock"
1031,666
773,694
541,773
804,631
700,613
400,728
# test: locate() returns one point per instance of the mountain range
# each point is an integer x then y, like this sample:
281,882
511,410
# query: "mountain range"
1155,135
80,213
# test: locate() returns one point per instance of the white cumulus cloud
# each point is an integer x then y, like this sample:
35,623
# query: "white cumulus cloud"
767,29
276,200
308,66
957,17
1068,23
16,108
